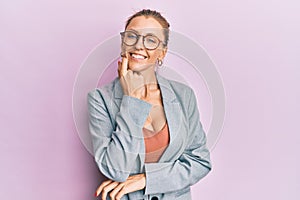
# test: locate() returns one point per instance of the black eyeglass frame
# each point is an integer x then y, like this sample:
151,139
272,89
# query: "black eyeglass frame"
138,37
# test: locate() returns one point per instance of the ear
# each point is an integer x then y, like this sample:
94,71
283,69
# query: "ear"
163,53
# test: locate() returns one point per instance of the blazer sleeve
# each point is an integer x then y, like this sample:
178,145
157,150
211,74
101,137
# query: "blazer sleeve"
192,165
116,149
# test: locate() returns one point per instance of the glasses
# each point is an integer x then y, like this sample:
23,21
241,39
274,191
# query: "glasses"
150,41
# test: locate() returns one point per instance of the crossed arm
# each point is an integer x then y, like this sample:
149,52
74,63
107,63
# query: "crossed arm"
126,142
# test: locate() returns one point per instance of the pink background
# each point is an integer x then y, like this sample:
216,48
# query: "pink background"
255,45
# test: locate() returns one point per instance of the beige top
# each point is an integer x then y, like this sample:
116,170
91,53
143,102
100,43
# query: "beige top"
155,143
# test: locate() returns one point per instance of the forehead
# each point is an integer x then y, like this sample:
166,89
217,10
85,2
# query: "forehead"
144,25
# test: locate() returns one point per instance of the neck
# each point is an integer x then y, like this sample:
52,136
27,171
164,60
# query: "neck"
149,76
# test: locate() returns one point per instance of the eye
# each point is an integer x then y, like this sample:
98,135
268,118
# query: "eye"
151,39
131,35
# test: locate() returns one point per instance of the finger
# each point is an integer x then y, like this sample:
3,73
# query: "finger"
129,73
99,189
119,68
124,66
138,77
123,53
136,74
121,193
108,188
116,191
119,65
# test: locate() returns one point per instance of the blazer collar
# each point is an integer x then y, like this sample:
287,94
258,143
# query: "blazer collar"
167,92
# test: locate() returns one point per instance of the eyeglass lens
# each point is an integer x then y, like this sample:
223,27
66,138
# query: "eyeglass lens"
150,41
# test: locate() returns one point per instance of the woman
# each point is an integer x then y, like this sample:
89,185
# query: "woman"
147,137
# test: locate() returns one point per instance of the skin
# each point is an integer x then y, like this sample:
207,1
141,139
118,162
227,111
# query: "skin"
137,78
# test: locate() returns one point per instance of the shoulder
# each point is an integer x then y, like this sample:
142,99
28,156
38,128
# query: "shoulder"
105,91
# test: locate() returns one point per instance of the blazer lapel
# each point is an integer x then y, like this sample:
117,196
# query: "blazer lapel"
173,114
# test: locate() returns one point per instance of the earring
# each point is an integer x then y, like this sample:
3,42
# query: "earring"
159,62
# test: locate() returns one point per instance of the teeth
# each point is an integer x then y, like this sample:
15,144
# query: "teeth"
137,56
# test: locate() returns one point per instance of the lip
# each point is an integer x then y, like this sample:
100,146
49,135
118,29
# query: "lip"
145,56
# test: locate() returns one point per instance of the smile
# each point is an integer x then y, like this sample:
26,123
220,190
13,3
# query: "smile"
138,56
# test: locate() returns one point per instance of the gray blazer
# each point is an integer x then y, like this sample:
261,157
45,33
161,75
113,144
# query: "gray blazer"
115,124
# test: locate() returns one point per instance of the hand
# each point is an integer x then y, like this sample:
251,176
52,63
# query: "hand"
116,189
132,82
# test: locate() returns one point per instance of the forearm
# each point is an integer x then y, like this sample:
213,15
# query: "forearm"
117,189
116,149
172,176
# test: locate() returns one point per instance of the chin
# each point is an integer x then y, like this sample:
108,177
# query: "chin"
139,66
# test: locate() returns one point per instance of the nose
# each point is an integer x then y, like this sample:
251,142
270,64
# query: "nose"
140,43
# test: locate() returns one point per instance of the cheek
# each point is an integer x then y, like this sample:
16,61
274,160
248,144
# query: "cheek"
154,55
125,48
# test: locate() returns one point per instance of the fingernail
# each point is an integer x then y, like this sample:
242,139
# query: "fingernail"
96,194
